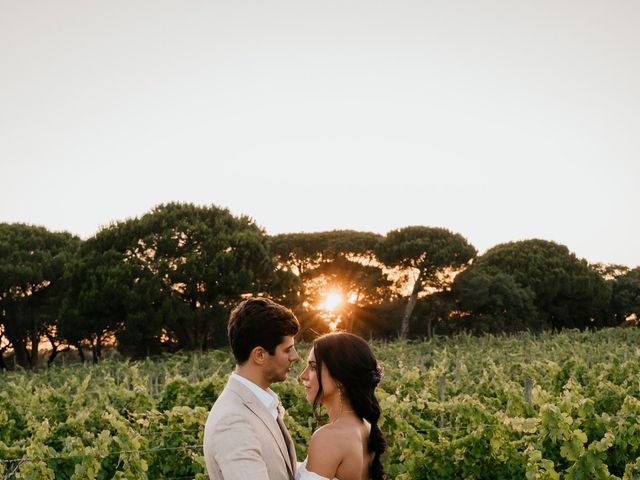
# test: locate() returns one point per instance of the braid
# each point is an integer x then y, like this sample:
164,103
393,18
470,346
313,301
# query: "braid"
378,444
366,406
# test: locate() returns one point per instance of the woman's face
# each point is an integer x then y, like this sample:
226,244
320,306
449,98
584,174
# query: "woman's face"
310,380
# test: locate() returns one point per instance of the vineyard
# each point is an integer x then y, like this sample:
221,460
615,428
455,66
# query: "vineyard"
552,406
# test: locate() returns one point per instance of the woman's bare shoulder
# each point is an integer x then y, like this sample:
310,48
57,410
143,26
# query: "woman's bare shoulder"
327,448
329,437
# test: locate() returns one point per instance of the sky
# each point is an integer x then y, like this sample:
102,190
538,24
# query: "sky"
501,120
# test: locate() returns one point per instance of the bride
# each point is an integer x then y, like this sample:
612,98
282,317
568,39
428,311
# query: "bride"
342,374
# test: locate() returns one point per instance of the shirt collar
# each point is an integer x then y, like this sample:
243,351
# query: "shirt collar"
267,397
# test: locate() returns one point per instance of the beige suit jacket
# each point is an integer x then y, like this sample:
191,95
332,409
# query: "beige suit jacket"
242,440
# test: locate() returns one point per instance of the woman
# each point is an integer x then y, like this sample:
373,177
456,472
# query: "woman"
342,374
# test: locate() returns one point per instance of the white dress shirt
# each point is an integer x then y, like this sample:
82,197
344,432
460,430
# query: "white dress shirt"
267,397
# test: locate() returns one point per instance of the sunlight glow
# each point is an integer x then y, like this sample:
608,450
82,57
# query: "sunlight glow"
332,301
333,325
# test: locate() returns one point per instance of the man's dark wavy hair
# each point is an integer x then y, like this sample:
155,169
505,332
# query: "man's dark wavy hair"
259,322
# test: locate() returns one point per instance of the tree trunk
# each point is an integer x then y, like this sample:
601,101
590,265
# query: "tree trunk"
351,309
21,354
54,349
16,337
201,330
206,336
80,352
35,340
189,330
54,354
299,309
348,324
97,350
190,327
404,329
3,365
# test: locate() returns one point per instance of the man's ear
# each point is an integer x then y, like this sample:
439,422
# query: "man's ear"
258,355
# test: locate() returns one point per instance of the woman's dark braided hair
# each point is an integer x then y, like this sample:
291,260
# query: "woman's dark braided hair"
351,362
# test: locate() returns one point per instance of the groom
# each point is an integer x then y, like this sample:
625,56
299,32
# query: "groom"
245,437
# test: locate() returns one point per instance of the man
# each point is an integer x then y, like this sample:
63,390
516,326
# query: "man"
245,437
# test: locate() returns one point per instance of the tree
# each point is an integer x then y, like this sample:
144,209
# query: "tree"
625,297
567,293
32,263
492,303
99,297
358,284
342,261
434,255
181,266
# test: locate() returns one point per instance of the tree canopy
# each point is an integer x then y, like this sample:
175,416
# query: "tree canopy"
32,263
433,254
509,278
493,303
175,271
341,261
168,279
625,297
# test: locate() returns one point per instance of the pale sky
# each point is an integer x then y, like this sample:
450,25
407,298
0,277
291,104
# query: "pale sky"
499,119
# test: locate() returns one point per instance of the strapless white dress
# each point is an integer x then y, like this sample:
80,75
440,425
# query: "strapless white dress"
303,474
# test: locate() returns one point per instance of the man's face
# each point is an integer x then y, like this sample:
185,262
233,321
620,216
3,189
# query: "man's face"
278,365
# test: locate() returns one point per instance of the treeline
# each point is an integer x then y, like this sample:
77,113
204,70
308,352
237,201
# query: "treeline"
166,281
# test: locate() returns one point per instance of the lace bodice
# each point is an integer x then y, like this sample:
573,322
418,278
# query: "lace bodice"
303,474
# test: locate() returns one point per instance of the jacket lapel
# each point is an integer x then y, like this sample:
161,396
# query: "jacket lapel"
287,438
282,438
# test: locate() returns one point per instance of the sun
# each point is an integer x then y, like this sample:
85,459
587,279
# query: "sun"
332,301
